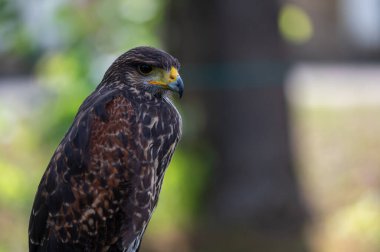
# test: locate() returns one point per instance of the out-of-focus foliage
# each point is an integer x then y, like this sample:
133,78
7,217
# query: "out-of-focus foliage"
19,158
13,35
295,24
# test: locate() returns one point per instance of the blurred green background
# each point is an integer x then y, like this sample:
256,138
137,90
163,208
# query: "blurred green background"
281,126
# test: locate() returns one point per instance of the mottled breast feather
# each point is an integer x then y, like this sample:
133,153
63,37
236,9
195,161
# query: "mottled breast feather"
102,183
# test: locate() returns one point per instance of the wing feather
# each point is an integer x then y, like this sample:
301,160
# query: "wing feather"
70,159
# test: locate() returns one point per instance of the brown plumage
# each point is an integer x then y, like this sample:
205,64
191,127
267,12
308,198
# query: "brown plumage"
103,181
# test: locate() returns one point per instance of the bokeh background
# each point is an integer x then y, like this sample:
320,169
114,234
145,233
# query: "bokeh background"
281,140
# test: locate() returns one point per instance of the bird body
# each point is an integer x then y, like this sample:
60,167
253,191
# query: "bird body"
103,181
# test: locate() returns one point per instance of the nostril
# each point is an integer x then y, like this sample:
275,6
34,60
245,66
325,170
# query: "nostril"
173,74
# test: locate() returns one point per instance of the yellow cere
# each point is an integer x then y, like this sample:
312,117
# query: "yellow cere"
173,74
169,77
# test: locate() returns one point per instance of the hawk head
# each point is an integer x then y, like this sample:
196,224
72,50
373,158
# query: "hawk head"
148,69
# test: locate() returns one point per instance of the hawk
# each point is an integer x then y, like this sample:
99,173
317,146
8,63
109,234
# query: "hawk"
103,181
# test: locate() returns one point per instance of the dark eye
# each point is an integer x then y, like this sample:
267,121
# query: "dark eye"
144,69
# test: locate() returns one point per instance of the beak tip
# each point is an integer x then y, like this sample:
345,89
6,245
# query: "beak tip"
177,86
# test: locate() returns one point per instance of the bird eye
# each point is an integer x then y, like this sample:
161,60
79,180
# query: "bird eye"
144,69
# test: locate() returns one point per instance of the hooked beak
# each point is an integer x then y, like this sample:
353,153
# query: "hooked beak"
177,86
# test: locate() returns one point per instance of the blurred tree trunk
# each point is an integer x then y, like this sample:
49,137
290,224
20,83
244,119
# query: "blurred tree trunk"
232,53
